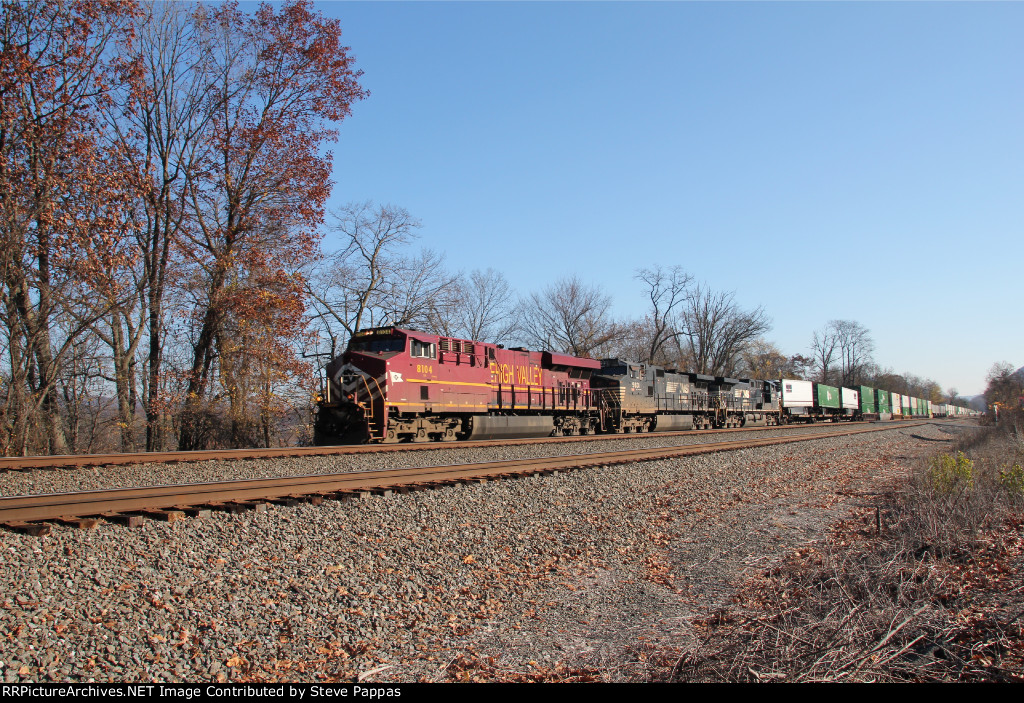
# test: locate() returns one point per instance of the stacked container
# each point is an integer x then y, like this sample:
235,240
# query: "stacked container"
868,406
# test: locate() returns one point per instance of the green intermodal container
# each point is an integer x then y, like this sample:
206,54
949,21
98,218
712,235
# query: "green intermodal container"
884,401
828,396
867,399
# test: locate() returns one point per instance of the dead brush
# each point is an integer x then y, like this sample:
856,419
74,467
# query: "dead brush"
946,502
866,606
859,613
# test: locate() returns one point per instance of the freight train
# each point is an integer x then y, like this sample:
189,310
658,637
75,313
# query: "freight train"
400,385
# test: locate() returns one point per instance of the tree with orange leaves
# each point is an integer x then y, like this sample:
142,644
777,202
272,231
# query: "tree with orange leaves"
62,198
280,81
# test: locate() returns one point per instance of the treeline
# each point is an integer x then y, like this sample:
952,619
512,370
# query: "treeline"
163,180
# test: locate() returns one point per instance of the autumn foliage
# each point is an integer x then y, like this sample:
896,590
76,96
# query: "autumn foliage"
279,82
162,172
64,198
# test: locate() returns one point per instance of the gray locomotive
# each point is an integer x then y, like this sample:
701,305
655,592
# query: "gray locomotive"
637,397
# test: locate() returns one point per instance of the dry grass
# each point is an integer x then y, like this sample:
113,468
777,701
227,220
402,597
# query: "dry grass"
934,595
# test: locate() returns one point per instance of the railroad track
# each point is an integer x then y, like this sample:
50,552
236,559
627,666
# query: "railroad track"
130,505
74,461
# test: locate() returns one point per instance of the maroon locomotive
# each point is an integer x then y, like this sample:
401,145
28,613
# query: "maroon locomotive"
395,385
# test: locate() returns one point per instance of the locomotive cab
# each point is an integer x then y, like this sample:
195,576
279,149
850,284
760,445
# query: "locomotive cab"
356,382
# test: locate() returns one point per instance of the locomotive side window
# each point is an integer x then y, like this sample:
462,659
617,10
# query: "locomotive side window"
422,350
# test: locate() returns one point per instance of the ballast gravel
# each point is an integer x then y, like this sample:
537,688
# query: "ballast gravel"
576,571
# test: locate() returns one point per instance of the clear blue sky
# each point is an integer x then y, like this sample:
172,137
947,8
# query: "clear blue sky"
858,161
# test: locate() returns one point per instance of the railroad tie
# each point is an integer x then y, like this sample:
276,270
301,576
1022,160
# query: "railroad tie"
36,529
164,515
195,511
81,523
124,519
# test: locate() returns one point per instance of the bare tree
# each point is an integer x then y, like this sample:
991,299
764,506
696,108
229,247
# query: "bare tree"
485,309
825,345
568,317
667,290
716,331
855,349
845,343
419,292
158,123
632,342
347,289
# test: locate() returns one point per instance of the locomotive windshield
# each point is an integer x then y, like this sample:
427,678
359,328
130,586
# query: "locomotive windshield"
378,346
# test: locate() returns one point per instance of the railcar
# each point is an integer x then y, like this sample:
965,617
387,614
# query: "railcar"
638,397
395,385
896,405
849,401
747,402
807,401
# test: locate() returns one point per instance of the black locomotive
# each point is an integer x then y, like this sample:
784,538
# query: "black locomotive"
637,397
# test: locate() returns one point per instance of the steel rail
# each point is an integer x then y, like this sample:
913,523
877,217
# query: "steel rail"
24,509
21,463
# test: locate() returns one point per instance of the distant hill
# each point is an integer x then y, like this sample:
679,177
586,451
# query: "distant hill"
976,402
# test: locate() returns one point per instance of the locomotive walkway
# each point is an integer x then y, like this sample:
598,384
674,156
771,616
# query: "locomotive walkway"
128,505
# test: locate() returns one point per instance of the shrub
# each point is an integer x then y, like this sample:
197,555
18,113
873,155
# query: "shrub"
947,474
1011,478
